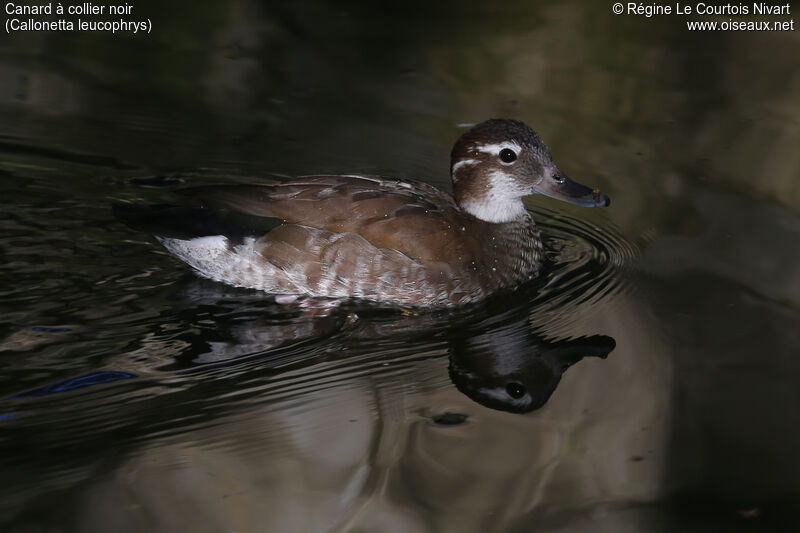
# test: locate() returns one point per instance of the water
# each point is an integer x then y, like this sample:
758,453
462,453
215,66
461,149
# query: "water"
137,397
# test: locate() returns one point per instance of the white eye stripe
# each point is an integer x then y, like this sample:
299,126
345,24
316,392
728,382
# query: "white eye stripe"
461,164
464,163
495,148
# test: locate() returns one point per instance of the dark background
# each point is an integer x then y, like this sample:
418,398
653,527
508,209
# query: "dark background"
690,425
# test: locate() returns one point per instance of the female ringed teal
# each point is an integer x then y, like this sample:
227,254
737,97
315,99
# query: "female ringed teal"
397,242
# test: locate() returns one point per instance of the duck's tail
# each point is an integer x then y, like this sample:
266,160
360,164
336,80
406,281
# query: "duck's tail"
186,222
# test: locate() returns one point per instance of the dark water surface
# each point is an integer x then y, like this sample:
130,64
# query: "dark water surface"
135,396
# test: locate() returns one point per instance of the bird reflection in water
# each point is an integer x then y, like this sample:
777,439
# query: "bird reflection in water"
496,357
504,364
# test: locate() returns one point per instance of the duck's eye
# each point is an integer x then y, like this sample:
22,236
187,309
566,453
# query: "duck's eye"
507,155
515,390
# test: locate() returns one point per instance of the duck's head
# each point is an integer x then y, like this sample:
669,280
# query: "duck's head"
504,364
499,161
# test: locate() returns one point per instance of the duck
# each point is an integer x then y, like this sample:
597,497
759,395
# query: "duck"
389,241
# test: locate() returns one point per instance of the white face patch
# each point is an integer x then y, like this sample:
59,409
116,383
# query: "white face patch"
502,202
461,164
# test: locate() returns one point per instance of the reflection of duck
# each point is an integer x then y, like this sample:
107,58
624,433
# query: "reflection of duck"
496,358
374,238
506,366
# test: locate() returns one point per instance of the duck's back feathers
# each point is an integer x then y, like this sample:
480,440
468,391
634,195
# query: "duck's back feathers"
412,218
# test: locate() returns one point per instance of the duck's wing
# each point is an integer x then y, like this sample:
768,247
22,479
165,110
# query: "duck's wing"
413,218
322,201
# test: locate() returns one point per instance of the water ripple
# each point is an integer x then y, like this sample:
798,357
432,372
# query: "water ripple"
129,346
586,263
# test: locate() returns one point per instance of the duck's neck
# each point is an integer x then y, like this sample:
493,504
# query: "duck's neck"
512,250
490,209
493,196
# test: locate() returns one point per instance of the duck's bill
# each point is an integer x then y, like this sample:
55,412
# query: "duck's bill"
562,188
